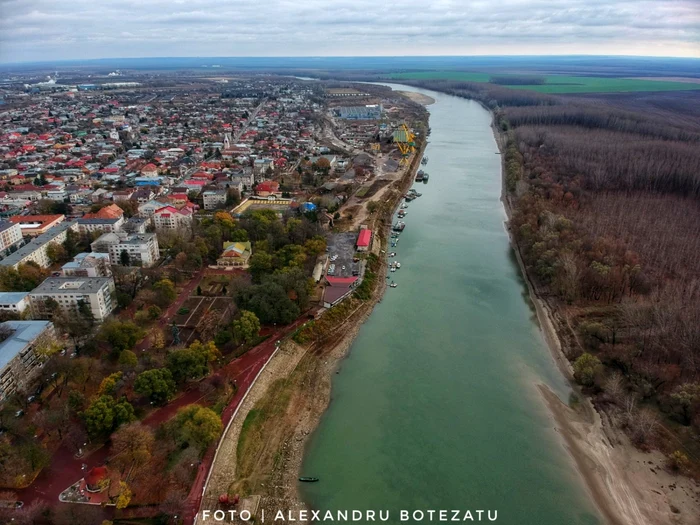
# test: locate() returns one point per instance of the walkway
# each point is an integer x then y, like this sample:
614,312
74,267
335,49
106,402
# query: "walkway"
243,371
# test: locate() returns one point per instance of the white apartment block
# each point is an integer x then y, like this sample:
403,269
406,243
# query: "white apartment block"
10,234
36,249
15,302
69,292
172,219
141,247
19,364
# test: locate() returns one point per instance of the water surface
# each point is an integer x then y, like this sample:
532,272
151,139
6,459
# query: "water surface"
436,407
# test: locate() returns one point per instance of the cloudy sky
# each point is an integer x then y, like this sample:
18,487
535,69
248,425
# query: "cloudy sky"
74,29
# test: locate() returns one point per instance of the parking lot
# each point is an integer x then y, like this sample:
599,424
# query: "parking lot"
341,246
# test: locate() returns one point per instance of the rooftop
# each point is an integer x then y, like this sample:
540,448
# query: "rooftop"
38,242
24,334
70,285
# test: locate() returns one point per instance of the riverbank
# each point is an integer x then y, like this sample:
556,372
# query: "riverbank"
263,449
629,486
420,98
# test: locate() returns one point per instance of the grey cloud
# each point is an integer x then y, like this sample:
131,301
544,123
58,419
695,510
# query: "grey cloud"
46,29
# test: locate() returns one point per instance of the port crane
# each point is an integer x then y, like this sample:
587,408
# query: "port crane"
405,140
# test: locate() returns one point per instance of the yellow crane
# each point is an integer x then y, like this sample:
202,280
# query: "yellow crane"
405,140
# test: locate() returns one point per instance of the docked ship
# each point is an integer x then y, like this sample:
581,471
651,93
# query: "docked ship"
399,226
424,161
420,175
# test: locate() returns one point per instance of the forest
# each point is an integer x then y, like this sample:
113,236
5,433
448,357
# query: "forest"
605,200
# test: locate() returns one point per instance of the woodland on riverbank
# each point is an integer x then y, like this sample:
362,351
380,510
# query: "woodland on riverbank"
605,193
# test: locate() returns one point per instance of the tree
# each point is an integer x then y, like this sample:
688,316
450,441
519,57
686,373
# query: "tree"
685,399
156,384
125,258
128,359
56,253
197,426
260,263
586,367
187,364
132,444
109,383
165,290
246,328
120,335
270,303
106,414
154,312
124,495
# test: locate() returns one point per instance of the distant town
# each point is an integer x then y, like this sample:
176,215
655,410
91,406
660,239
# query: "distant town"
159,238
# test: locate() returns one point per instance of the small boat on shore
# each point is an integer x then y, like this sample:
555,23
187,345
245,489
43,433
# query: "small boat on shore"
308,479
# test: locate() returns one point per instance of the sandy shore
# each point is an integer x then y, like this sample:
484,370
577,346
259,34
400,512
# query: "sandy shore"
420,98
628,486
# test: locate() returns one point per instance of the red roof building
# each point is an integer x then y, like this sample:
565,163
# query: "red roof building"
267,188
364,240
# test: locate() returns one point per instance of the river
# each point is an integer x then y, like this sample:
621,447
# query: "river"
436,405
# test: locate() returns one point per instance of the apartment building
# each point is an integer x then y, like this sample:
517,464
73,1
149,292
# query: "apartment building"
10,235
214,199
19,363
36,249
142,248
169,218
67,293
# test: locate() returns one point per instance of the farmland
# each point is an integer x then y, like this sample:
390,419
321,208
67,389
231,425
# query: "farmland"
560,83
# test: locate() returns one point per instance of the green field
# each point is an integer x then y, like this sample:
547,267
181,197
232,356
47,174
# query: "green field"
560,83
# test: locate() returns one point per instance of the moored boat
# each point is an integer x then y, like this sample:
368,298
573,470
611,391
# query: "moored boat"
308,479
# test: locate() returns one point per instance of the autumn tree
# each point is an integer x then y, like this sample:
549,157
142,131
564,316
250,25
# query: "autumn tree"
132,444
165,292
246,328
197,426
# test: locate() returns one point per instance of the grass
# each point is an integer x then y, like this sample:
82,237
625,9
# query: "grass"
561,83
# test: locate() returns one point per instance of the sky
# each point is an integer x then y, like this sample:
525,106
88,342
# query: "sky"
39,30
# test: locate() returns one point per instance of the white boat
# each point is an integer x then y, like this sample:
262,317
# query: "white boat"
398,265
393,284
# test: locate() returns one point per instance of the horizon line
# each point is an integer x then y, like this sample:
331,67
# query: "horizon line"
203,57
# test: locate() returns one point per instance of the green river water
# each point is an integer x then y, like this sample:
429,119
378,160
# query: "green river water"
436,405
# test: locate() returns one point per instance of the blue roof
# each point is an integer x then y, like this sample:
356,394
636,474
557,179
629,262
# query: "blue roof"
25,333
308,206
12,297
